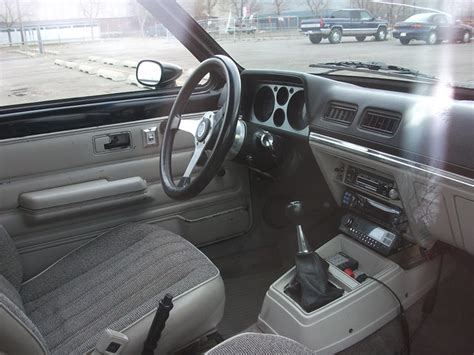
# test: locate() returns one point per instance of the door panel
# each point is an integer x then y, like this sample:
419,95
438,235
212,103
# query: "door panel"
57,191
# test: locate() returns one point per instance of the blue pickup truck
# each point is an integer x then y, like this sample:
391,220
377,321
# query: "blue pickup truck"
359,23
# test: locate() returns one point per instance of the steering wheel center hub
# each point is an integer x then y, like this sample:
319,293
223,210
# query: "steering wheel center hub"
203,129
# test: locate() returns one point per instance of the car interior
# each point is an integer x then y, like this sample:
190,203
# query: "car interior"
264,211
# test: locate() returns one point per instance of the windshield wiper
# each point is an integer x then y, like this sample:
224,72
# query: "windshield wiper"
373,67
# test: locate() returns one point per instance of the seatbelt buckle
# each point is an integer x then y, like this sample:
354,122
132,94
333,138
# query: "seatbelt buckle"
110,342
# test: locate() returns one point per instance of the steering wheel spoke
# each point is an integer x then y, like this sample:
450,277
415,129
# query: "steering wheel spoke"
188,125
214,132
198,150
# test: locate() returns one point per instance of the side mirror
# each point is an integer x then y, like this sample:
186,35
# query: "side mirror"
155,74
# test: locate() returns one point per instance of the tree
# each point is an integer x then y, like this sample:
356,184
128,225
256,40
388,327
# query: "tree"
316,6
375,8
279,6
9,15
237,6
210,4
91,9
143,16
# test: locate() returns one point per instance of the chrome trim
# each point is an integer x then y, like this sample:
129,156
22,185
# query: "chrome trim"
240,133
388,158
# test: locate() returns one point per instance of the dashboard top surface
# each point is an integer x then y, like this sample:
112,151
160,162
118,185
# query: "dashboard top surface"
432,130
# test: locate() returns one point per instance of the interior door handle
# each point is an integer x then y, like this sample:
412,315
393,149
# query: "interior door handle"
112,142
119,140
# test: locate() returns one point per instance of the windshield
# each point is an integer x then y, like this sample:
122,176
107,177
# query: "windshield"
58,49
292,35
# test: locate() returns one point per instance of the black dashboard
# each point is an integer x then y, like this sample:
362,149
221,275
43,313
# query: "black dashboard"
430,130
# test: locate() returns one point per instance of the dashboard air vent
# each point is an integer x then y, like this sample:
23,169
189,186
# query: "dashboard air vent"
340,112
380,121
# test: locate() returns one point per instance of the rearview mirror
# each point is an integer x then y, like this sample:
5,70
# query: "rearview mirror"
156,74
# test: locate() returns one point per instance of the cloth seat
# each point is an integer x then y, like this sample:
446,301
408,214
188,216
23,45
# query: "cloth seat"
116,281
259,343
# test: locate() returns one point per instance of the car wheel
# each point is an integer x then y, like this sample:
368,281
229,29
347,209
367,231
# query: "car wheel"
432,38
360,38
466,37
315,39
381,34
335,36
404,41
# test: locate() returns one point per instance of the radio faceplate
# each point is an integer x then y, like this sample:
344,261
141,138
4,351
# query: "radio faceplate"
389,216
369,234
372,223
371,182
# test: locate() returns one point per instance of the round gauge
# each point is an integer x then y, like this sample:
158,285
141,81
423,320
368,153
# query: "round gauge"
264,103
282,96
296,111
279,117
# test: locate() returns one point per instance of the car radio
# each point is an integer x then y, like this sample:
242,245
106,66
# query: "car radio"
370,234
372,223
371,182
389,216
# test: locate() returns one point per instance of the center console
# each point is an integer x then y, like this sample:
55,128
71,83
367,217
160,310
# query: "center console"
374,231
363,308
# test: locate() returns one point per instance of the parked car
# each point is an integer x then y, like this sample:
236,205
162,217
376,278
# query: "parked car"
433,28
349,22
244,25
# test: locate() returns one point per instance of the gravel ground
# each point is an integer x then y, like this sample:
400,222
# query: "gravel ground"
30,79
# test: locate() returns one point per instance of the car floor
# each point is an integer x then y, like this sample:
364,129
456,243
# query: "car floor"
248,273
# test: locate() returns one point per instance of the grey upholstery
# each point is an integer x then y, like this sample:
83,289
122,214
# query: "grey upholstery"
258,343
18,334
116,281
10,265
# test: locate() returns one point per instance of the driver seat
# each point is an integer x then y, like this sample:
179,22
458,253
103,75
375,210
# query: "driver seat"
114,281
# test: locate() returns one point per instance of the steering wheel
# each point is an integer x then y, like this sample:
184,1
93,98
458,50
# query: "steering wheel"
215,131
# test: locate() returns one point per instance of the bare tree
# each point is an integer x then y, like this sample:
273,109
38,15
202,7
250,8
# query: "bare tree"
9,15
210,4
237,6
280,5
375,8
91,9
316,6
252,6
143,16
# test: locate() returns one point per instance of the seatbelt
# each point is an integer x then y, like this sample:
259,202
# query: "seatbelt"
158,324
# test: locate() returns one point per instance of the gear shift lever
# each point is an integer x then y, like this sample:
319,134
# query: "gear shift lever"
294,212
310,286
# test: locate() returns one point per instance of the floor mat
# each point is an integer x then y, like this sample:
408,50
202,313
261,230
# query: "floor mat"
244,297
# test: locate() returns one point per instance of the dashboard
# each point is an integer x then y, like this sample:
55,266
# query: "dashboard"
403,152
281,107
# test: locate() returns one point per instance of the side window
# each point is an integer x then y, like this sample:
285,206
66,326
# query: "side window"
355,15
439,20
63,52
340,14
365,16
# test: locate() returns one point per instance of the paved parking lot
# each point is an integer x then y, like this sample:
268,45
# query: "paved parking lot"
27,78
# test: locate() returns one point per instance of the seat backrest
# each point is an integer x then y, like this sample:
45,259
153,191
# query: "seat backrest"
10,264
18,334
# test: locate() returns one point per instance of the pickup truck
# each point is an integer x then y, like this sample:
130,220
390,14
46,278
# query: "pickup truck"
349,22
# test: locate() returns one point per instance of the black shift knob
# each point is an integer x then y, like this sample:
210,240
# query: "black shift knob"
295,212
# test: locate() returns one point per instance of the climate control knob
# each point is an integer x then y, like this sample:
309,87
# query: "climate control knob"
348,221
393,194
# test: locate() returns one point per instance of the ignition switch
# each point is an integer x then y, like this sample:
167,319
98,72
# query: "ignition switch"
266,141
